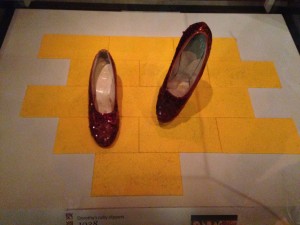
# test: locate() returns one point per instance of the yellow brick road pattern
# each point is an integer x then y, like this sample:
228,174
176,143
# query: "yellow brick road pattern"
145,157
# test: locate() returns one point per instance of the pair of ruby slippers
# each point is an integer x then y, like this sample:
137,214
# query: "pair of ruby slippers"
182,78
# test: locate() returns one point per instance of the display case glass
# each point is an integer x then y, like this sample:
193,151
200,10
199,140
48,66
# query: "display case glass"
233,151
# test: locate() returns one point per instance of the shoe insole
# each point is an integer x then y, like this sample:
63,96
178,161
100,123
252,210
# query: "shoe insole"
187,67
105,88
188,70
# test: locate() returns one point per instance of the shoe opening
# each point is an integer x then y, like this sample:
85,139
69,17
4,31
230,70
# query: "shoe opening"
103,84
187,66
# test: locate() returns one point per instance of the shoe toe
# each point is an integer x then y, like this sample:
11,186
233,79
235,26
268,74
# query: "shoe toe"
162,114
166,110
104,134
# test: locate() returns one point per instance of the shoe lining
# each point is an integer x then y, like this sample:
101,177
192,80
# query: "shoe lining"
187,66
104,85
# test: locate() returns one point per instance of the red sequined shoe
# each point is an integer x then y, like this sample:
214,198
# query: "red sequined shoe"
103,106
185,71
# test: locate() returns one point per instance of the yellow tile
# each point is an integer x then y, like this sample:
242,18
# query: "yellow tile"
79,71
228,102
55,101
241,135
72,101
181,135
57,46
70,46
141,48
137,101
175,43
89,46
224,49
153,73
141,174
218,102
128,72
243,74
73,137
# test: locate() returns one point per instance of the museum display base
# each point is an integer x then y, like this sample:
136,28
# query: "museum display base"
233,150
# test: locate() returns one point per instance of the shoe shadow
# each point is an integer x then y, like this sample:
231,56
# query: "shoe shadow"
119,94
